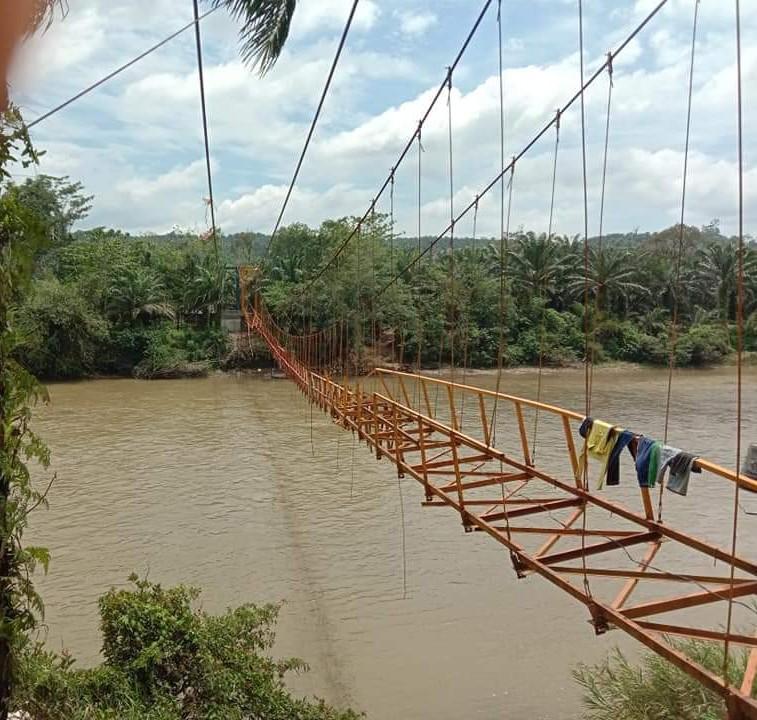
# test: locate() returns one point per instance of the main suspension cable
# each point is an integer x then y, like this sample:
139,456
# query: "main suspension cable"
119,70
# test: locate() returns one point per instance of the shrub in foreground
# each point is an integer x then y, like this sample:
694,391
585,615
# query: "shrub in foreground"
165,660
654,689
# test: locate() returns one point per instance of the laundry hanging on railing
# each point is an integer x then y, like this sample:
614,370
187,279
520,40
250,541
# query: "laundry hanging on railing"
652,458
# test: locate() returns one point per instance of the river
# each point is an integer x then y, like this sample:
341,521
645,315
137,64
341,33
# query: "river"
214,483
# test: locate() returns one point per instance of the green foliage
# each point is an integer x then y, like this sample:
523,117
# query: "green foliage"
166,660
654,689
22,236
61,332
174,352
58,202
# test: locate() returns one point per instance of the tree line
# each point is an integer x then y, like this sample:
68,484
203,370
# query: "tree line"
525,294
102,301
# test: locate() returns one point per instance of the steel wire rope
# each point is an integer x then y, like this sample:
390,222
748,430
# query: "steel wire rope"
529,145
309,137
673,332
587,358
204,115
605,155
503,237
119,70
543,288
739,332
419,315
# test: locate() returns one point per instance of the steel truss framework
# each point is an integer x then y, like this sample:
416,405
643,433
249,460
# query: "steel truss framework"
421,425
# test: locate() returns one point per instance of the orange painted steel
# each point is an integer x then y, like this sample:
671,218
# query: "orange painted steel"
529,509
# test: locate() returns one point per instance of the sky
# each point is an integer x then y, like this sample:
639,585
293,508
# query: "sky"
136,143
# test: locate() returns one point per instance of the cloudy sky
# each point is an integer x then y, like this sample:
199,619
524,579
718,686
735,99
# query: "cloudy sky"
136,143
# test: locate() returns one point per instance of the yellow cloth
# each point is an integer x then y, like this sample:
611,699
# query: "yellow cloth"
599,445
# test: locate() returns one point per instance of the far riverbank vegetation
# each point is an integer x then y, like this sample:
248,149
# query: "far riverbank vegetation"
104,302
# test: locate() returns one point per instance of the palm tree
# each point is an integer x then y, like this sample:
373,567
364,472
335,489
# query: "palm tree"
536,264
264,28
717,271
136,294
202,288
612,277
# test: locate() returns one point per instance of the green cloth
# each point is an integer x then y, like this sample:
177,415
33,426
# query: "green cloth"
654,464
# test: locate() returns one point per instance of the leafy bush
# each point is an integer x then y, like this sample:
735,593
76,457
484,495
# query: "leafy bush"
62,332
172,351
165,660
655,689
702,345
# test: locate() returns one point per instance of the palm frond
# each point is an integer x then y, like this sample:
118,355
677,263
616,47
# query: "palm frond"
264,28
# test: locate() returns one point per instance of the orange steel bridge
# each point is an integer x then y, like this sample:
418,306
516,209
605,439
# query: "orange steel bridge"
552,521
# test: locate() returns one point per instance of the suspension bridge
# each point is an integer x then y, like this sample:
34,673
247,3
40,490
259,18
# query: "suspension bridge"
470,449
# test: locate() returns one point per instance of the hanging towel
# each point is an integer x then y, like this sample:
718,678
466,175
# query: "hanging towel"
599,444
680,469
667,453
623,439
643,453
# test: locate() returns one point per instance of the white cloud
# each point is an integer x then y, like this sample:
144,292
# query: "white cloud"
312,16
415,23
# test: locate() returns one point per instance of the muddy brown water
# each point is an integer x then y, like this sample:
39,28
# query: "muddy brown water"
214,483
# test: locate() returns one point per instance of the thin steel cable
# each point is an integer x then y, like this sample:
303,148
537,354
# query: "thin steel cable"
673,338
403,537
587,359
535,139
543,289
201,75
606,148
503,254
602,209
453,309
502,240
739,335
391,223
118,70
321,102
419,319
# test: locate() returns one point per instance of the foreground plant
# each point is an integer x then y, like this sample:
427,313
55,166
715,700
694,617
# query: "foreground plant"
651,688
165,660
21,237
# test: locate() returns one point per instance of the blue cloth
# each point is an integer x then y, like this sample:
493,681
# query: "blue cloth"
585,428
613,463
643,456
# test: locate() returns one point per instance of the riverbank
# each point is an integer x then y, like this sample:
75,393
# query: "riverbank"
263,363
